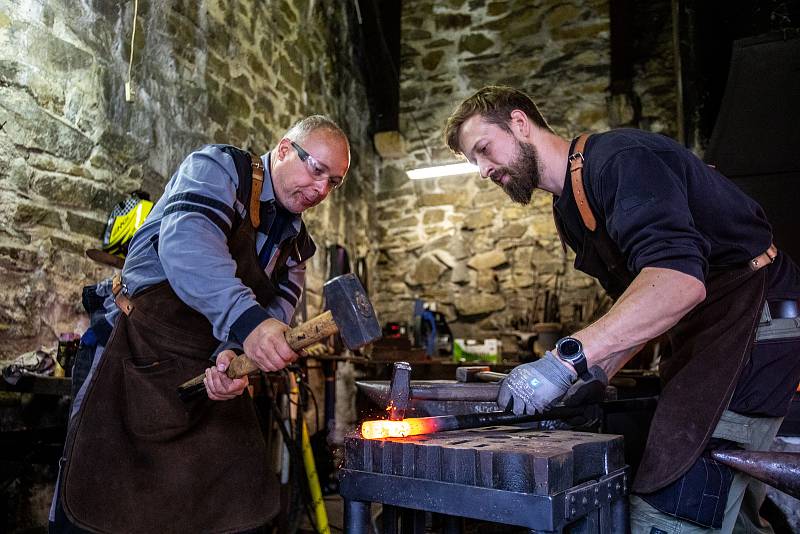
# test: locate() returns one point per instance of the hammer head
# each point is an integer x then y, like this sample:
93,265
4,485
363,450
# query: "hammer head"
467,373
399,391
352,311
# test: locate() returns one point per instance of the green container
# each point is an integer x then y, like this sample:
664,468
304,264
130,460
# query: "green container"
489,351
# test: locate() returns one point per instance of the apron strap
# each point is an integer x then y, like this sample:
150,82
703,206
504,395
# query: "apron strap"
255,190
576,174
764,259
120,296
606,247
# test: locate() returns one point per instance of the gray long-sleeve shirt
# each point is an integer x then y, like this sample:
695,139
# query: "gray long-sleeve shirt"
184,241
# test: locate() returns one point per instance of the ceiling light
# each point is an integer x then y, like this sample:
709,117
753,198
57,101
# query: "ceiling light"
450,169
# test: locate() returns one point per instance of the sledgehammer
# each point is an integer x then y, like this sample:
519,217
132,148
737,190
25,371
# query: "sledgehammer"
349,313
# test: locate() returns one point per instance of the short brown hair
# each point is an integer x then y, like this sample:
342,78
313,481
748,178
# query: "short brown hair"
494,103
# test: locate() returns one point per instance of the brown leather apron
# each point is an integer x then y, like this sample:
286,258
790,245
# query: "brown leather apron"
709,348
137,458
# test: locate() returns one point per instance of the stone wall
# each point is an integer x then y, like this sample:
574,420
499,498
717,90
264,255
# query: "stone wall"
210,71
458,241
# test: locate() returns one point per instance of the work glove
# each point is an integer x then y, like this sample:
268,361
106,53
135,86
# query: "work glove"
533,387
587,389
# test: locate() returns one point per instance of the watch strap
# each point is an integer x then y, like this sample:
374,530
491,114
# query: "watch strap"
580,365
578,360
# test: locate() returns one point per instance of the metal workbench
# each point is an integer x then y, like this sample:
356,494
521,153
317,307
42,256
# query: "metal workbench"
545,481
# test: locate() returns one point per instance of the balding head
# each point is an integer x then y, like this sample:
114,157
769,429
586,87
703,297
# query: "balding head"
316,123
311,160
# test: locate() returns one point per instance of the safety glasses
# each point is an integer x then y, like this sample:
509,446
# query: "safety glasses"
319,171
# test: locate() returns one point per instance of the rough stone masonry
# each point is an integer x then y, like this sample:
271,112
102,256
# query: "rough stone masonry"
211,71
458,241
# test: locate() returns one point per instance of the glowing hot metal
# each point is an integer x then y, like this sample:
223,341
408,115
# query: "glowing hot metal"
397,429
427,425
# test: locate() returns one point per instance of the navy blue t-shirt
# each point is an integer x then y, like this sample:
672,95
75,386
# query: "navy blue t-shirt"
664,207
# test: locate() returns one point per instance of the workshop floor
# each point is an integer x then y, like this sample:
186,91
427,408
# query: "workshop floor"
334,505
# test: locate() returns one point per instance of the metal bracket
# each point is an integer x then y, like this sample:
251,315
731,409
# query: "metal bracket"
580,500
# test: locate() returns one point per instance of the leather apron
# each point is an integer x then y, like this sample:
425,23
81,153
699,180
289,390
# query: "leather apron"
709,348
137,458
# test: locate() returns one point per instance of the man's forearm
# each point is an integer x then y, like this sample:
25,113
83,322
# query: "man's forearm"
654,302
616,360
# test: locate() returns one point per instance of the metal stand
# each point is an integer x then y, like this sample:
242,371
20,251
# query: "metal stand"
543,481
356,517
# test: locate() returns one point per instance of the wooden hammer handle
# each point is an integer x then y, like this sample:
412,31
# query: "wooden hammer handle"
299,337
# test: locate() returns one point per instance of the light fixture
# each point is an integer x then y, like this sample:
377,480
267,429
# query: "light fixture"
436,171
449,169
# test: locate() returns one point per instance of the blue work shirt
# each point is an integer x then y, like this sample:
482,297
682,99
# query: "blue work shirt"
184,240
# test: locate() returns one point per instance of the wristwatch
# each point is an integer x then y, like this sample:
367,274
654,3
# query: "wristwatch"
571,350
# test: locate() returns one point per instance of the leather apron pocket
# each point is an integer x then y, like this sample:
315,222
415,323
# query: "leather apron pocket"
154,410
162,358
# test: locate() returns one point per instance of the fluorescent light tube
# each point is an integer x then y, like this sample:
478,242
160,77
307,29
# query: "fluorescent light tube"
442,170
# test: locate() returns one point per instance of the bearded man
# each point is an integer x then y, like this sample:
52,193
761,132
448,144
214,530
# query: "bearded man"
682,251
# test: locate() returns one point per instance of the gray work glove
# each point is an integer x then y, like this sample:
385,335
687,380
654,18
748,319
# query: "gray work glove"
587,389
534,386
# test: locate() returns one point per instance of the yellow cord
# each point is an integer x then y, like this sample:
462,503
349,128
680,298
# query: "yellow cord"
317,503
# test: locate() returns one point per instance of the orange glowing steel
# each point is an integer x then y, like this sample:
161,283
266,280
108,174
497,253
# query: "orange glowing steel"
396,429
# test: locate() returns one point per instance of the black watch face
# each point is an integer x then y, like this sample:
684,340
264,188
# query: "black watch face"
569,347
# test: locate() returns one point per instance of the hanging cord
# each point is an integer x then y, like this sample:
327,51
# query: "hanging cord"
129,84
318,522
313,397
294,458
297,491
292,436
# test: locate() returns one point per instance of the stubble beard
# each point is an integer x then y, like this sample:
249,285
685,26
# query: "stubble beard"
524,174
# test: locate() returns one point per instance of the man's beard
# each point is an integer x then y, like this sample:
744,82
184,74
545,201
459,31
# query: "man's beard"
523,174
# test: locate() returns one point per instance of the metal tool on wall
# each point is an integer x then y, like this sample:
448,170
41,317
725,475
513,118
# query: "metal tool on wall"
362,272
552,307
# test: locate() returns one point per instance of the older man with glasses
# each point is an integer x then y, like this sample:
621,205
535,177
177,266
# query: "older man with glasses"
217,267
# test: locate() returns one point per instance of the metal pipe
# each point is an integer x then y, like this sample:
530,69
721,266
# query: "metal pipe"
780,470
